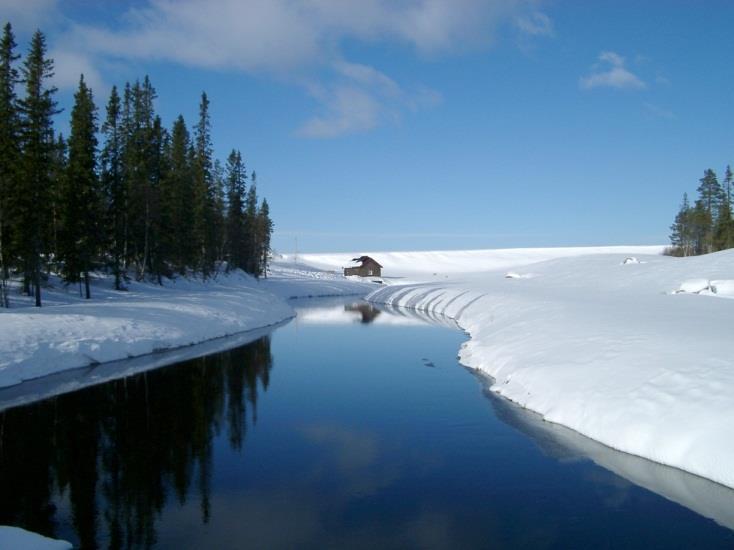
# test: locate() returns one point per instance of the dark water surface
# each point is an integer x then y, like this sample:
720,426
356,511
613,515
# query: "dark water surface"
347,428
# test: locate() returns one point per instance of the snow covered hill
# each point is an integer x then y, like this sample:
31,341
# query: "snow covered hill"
451,262
637,353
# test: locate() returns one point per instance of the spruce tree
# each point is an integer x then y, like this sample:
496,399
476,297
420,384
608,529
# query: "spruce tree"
179,193
235,223
37,109
204,189
58,173
113,185
681,231
266,231
82,196
9,152
251,227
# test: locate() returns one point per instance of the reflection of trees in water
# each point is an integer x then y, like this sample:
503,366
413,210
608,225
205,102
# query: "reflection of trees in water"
121,449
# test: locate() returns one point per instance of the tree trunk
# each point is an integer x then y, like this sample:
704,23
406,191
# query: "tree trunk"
86,285
37,280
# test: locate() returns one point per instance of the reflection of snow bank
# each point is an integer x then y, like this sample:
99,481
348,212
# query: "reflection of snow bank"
20,539
696,493
607,352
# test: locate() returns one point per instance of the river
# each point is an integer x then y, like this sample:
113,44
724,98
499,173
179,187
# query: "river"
348,427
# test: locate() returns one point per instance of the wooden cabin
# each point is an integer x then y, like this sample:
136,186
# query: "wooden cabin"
368,268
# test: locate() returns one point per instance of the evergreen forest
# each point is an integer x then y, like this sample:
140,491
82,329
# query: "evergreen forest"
707,225
121,195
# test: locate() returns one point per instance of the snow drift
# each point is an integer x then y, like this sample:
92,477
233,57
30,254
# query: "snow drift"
148,318
612,350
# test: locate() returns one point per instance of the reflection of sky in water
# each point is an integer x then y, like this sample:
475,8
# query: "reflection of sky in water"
358,445
350,441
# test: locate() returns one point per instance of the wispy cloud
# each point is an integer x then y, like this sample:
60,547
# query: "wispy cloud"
611,72
294,40
535,24
360,99
659,112
27,15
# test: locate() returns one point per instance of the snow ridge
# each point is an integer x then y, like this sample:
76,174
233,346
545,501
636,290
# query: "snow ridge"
612,350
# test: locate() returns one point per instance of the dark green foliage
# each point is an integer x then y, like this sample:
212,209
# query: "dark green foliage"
9,151
707,226
32,200
113,186
236,240
81,196
149,204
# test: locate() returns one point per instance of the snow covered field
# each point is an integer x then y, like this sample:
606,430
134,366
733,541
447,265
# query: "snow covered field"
70,332
635,351
623,345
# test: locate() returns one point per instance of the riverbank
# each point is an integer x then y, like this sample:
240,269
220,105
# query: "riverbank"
71,332
633,352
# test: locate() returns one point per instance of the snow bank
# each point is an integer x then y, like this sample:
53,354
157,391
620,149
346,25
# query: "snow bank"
605,349
146,319
448,262
20,539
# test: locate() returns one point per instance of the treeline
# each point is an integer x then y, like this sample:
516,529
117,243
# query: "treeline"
146,202
707,225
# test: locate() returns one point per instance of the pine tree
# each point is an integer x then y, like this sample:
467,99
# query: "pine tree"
266,231
179,194
140,155
82,196
681,234
158,253
37,109
204,189
724,231
58,173
235,224
113,185
251,248
9,151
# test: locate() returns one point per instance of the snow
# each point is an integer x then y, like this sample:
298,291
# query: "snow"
148,318
20,539
694,286
635,355
608,349
451,262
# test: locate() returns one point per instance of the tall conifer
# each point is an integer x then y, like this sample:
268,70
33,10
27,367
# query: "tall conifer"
37,109
9,151
113,185
81,197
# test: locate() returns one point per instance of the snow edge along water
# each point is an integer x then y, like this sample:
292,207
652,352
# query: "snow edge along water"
610,349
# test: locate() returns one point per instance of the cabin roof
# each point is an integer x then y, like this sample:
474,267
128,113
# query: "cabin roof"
366,260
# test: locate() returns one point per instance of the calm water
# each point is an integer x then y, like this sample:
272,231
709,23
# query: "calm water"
345,428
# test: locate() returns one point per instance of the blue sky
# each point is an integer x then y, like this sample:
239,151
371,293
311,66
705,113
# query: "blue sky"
430,124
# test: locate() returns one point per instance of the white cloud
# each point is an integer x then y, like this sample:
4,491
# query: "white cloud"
535,24
659,112
348,110
69,65
361,99
292,40
612,72
27,15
